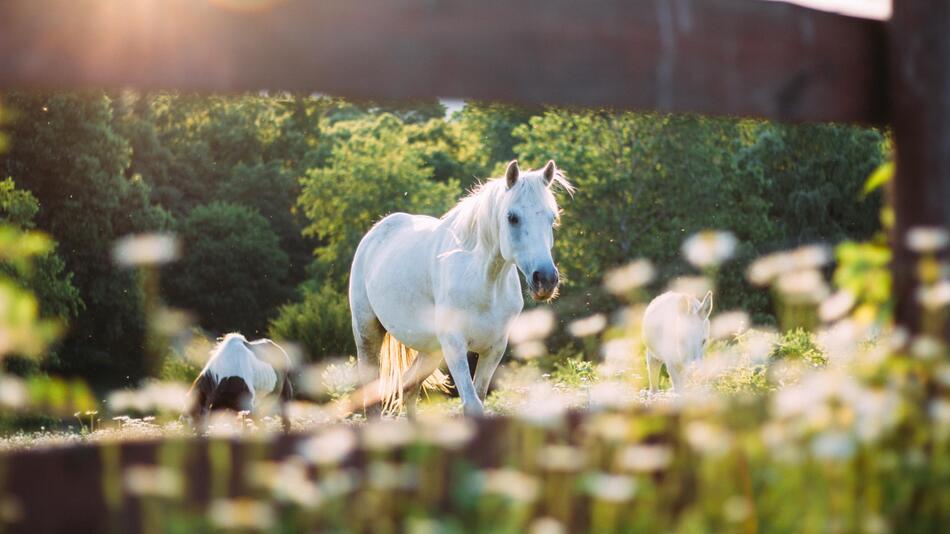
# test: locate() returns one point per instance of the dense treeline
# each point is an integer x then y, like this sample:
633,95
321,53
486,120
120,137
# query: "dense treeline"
271,194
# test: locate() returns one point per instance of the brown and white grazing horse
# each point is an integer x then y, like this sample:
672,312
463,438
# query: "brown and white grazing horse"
237,374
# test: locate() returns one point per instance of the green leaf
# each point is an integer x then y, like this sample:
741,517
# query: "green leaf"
881,175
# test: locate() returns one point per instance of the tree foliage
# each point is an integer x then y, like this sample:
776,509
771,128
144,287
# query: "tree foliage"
67,154
373,171
233,271
47,277
645,182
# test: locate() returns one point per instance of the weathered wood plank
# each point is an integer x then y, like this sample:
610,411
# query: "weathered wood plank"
62,489
736,57
920,114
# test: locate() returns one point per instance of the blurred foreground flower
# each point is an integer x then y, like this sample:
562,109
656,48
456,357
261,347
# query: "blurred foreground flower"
935,297
631,276
927,239
329,447
530,350
610,488
836,306
288,481
150,481
612,395
387,434
241,513
728,324
709,248
588,326
155,396
803,286
445,431
833,445
546,525
696,286
544,405
146,249
562,458
645,458
531,325
13,393
708,438
509,483
765,269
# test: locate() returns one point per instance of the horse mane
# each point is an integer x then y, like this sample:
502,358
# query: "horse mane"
473,219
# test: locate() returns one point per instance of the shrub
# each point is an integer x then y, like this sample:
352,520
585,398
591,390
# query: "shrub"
574,372
799,344
320,323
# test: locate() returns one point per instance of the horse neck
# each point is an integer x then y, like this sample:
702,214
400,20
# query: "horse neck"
487,251
494,266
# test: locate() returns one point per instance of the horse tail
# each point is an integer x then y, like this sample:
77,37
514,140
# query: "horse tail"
394,360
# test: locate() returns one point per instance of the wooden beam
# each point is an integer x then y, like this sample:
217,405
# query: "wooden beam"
734,57
920,113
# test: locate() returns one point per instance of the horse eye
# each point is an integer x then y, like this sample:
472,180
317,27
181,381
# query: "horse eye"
512,218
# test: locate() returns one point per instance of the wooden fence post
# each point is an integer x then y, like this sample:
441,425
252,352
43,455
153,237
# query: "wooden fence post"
920,114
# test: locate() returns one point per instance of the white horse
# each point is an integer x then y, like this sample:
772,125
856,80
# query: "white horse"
237,373
439,288
675,330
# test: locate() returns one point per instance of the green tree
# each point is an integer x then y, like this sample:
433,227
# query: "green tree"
47,278
67,154
812,177
486,136
373,171
232,273
668,176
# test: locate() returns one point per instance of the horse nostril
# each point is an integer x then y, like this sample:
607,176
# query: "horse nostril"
536,278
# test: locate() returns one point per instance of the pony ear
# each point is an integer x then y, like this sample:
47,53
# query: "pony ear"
705,307
512,173
549,171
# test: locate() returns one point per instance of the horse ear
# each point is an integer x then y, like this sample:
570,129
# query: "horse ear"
705,307
512,173
549,171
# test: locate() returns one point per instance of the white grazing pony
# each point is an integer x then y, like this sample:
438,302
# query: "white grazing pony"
675,330
237,373
423,288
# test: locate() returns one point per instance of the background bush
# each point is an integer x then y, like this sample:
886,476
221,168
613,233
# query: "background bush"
320,323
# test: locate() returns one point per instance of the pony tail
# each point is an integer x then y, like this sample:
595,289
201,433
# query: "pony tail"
394,360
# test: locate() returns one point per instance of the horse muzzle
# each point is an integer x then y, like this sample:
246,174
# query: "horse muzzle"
544,283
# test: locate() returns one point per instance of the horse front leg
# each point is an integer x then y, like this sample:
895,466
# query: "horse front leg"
485,369
455,351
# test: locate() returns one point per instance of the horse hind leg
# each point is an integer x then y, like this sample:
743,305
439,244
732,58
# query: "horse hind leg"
414,377
653,370
368,333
